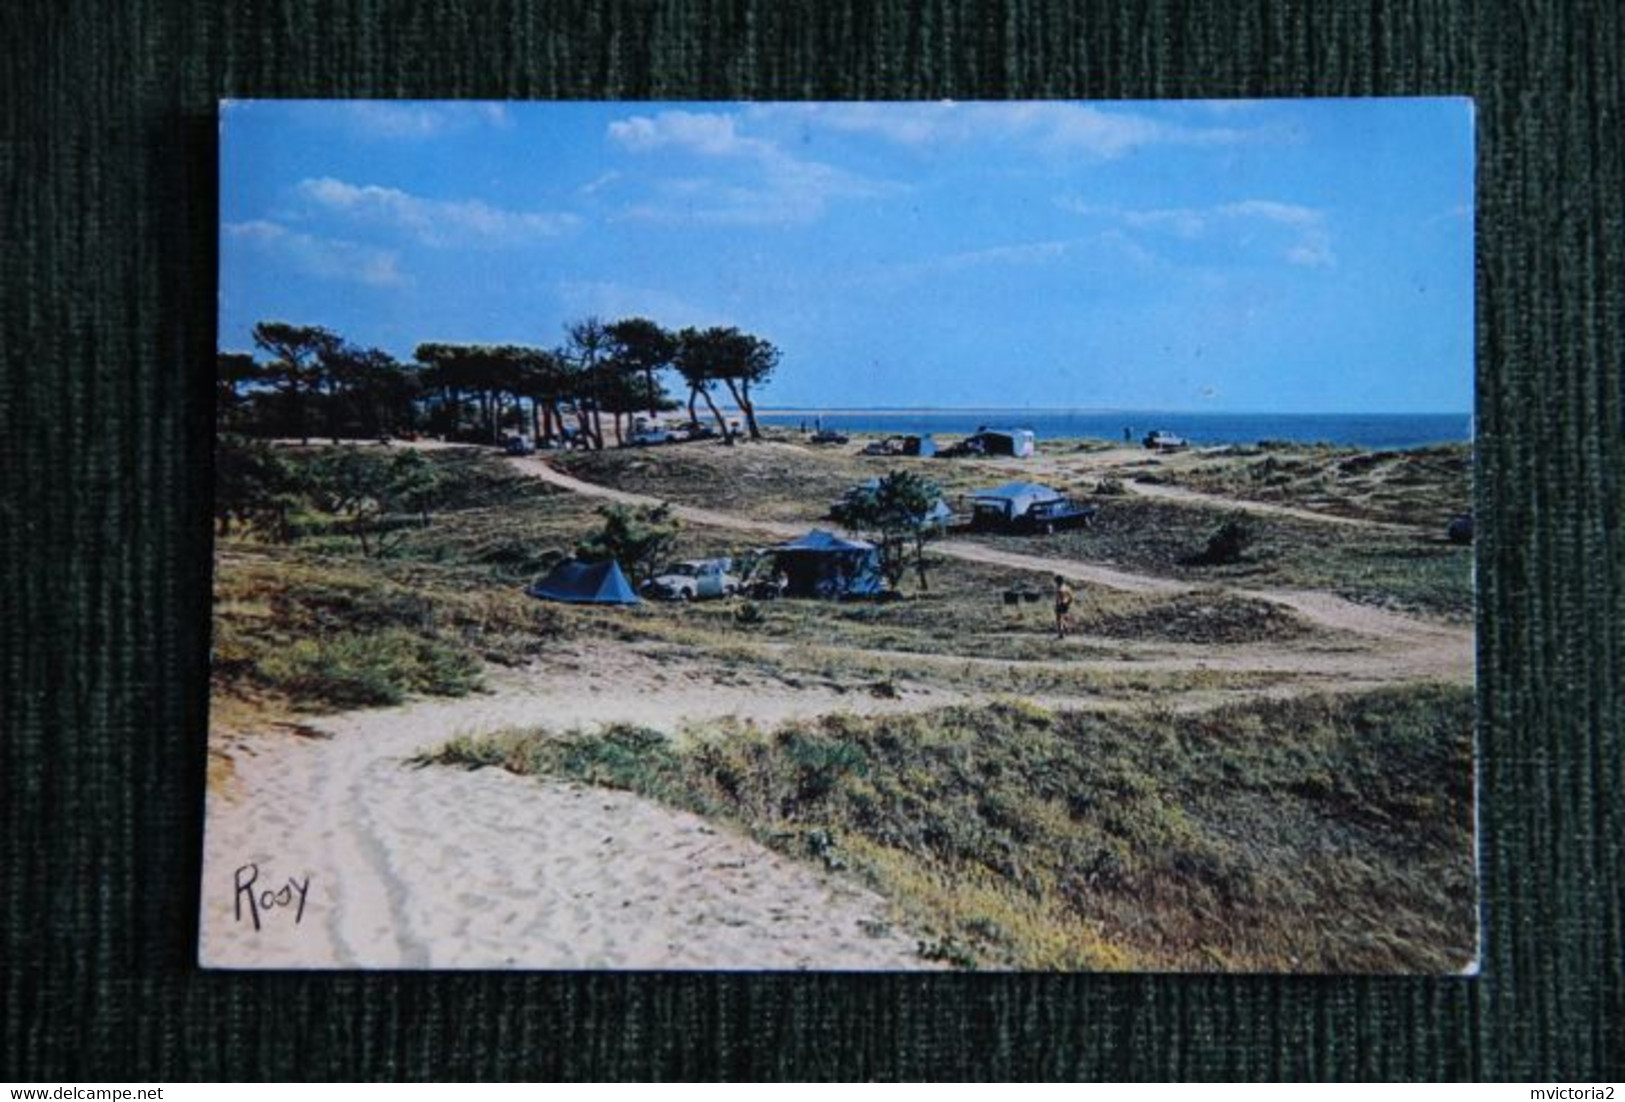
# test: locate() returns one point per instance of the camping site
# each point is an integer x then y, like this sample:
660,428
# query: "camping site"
843,537
473,699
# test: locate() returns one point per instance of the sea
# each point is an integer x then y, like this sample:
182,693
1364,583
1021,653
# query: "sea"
1374,431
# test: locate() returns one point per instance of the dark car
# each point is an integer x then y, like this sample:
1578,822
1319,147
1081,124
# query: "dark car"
1048,516
1460,529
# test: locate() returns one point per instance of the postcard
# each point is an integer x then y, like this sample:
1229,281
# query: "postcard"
1024,536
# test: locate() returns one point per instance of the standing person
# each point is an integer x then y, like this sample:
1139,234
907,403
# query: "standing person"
1063,607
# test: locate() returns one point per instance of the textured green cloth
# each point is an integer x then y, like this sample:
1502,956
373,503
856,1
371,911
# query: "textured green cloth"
107,271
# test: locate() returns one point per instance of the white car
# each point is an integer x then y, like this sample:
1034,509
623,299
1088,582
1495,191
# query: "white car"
694,580
1164,439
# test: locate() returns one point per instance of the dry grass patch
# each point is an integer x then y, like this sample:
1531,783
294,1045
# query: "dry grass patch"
1420,486
1320,834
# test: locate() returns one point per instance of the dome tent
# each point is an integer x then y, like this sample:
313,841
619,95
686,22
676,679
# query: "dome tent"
585,583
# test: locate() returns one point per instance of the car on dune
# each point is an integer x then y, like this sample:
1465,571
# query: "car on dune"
693,580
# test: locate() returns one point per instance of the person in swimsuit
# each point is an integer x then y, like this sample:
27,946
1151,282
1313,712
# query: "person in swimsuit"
1063,607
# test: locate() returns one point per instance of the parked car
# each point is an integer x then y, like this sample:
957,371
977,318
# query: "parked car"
1027,507
970,446
692,430
519,445
1160,438
693,580
1460,529
1050,516
644,438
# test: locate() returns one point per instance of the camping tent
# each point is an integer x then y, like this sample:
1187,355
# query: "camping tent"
1013,442
585,583
1012,500
820,564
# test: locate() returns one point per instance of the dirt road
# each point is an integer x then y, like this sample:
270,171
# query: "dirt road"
1426,648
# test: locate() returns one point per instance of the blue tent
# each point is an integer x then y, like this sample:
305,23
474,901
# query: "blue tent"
821,564
585,583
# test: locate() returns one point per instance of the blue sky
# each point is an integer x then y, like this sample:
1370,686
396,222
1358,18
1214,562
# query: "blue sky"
1279,255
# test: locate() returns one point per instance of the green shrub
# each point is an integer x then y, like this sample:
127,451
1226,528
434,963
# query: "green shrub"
1228,543
362,669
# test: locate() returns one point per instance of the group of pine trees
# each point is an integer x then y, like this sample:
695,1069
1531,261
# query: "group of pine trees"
312,382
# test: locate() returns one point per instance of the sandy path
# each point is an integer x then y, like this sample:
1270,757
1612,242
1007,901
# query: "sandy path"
1313,667
537,468
443,868
1431,649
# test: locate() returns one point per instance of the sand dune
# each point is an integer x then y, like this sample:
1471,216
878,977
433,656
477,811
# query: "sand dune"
412,868
360,860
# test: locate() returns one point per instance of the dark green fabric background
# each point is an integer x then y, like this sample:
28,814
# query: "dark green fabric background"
107,196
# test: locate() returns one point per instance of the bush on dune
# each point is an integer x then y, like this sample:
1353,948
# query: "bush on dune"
372,668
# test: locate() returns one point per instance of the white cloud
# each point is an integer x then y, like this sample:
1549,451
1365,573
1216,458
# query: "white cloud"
769,186
1287,214
706,133
1054,126
1086,251
599,183
1022,255
326,258
437,222
1312,247
407,119
1310,243
1130,250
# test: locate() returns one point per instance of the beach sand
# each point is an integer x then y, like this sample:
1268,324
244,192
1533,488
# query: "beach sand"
443,868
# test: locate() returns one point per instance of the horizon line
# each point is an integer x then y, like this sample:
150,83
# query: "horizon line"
948,411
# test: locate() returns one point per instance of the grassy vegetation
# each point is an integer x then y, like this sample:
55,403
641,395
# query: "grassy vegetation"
317,633
1421,573
1317,834
1392,569
772,480
316,625
316,622
1421,486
